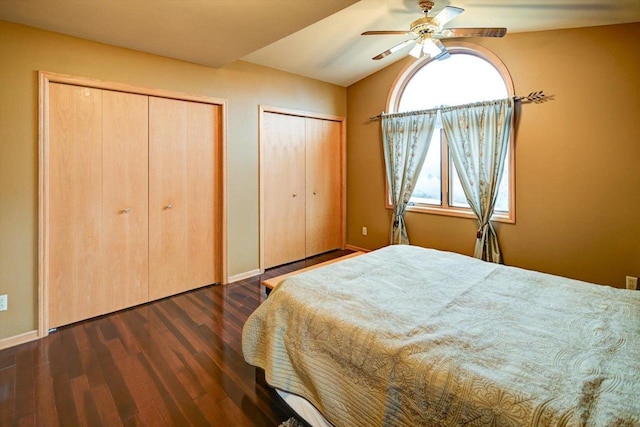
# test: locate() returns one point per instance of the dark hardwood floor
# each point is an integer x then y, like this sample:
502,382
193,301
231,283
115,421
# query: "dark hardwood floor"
173,362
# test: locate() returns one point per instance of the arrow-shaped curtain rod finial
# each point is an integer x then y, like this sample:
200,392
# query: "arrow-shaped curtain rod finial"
536,97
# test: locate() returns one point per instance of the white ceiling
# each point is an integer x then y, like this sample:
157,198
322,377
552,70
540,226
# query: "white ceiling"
314,38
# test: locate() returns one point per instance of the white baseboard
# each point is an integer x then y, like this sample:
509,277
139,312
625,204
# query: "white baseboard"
356,248
18,339
246,275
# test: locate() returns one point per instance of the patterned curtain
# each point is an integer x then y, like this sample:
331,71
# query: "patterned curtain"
406,139
478,139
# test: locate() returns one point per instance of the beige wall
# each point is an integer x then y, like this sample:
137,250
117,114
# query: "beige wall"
577,158
24,51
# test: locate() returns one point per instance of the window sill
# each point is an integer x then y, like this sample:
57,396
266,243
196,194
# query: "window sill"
459,213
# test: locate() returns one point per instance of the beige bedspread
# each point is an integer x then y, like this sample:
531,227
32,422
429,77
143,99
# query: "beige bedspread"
406,336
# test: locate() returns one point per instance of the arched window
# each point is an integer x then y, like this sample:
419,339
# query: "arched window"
469,74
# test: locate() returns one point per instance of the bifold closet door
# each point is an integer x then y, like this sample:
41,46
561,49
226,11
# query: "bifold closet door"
125,198
97,202
183,141
323,186
283,151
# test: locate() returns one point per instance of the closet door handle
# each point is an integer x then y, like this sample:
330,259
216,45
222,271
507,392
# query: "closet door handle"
169,206
294,195
315,192
126,210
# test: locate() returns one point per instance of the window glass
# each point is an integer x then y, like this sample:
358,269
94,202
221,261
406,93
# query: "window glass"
460,79
428,187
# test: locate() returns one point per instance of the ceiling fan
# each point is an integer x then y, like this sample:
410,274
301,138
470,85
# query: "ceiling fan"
428,30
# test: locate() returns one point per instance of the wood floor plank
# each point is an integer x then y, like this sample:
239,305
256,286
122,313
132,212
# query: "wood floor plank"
46,413
71,354
127,340
151,409
92,368
7,395
169,407
105,406
178,398
25,404
189,378
80,386
215,414
92,417
114,380
174,331
173,362
63,398
26,421
8,358
243,418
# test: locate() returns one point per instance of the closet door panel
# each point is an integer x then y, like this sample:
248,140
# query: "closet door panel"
75,203
202,207
323,186
167,196
125,195
284,188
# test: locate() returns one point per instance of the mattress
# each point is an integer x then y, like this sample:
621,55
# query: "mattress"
304,409
408,336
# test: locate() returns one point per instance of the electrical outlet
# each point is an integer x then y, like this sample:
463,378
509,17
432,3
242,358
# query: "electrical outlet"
4,302
632,283
364,231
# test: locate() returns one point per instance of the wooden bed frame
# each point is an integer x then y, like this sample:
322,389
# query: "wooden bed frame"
272,282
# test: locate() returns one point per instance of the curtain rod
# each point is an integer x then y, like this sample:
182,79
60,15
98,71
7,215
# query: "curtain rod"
535,97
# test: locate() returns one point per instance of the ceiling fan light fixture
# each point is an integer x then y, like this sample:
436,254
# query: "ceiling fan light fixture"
416,50
430,48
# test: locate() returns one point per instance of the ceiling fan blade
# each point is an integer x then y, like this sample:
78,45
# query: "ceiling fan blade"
394,49
470,32
384,33
551,5
446,15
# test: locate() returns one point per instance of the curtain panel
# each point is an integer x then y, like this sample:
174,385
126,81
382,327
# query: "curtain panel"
406,139
478,140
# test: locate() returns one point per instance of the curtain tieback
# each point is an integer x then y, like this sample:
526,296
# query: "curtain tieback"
481,230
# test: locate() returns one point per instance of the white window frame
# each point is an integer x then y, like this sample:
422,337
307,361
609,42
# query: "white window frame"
393,102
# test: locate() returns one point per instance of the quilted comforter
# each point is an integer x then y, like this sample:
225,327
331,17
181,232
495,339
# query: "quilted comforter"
407,336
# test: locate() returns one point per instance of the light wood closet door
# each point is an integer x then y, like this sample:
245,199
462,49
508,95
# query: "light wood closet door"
76,288
203,194
323,186
167,197
125,199
98,211
183,249
284,188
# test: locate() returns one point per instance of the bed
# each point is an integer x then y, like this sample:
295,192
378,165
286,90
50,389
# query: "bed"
408,336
